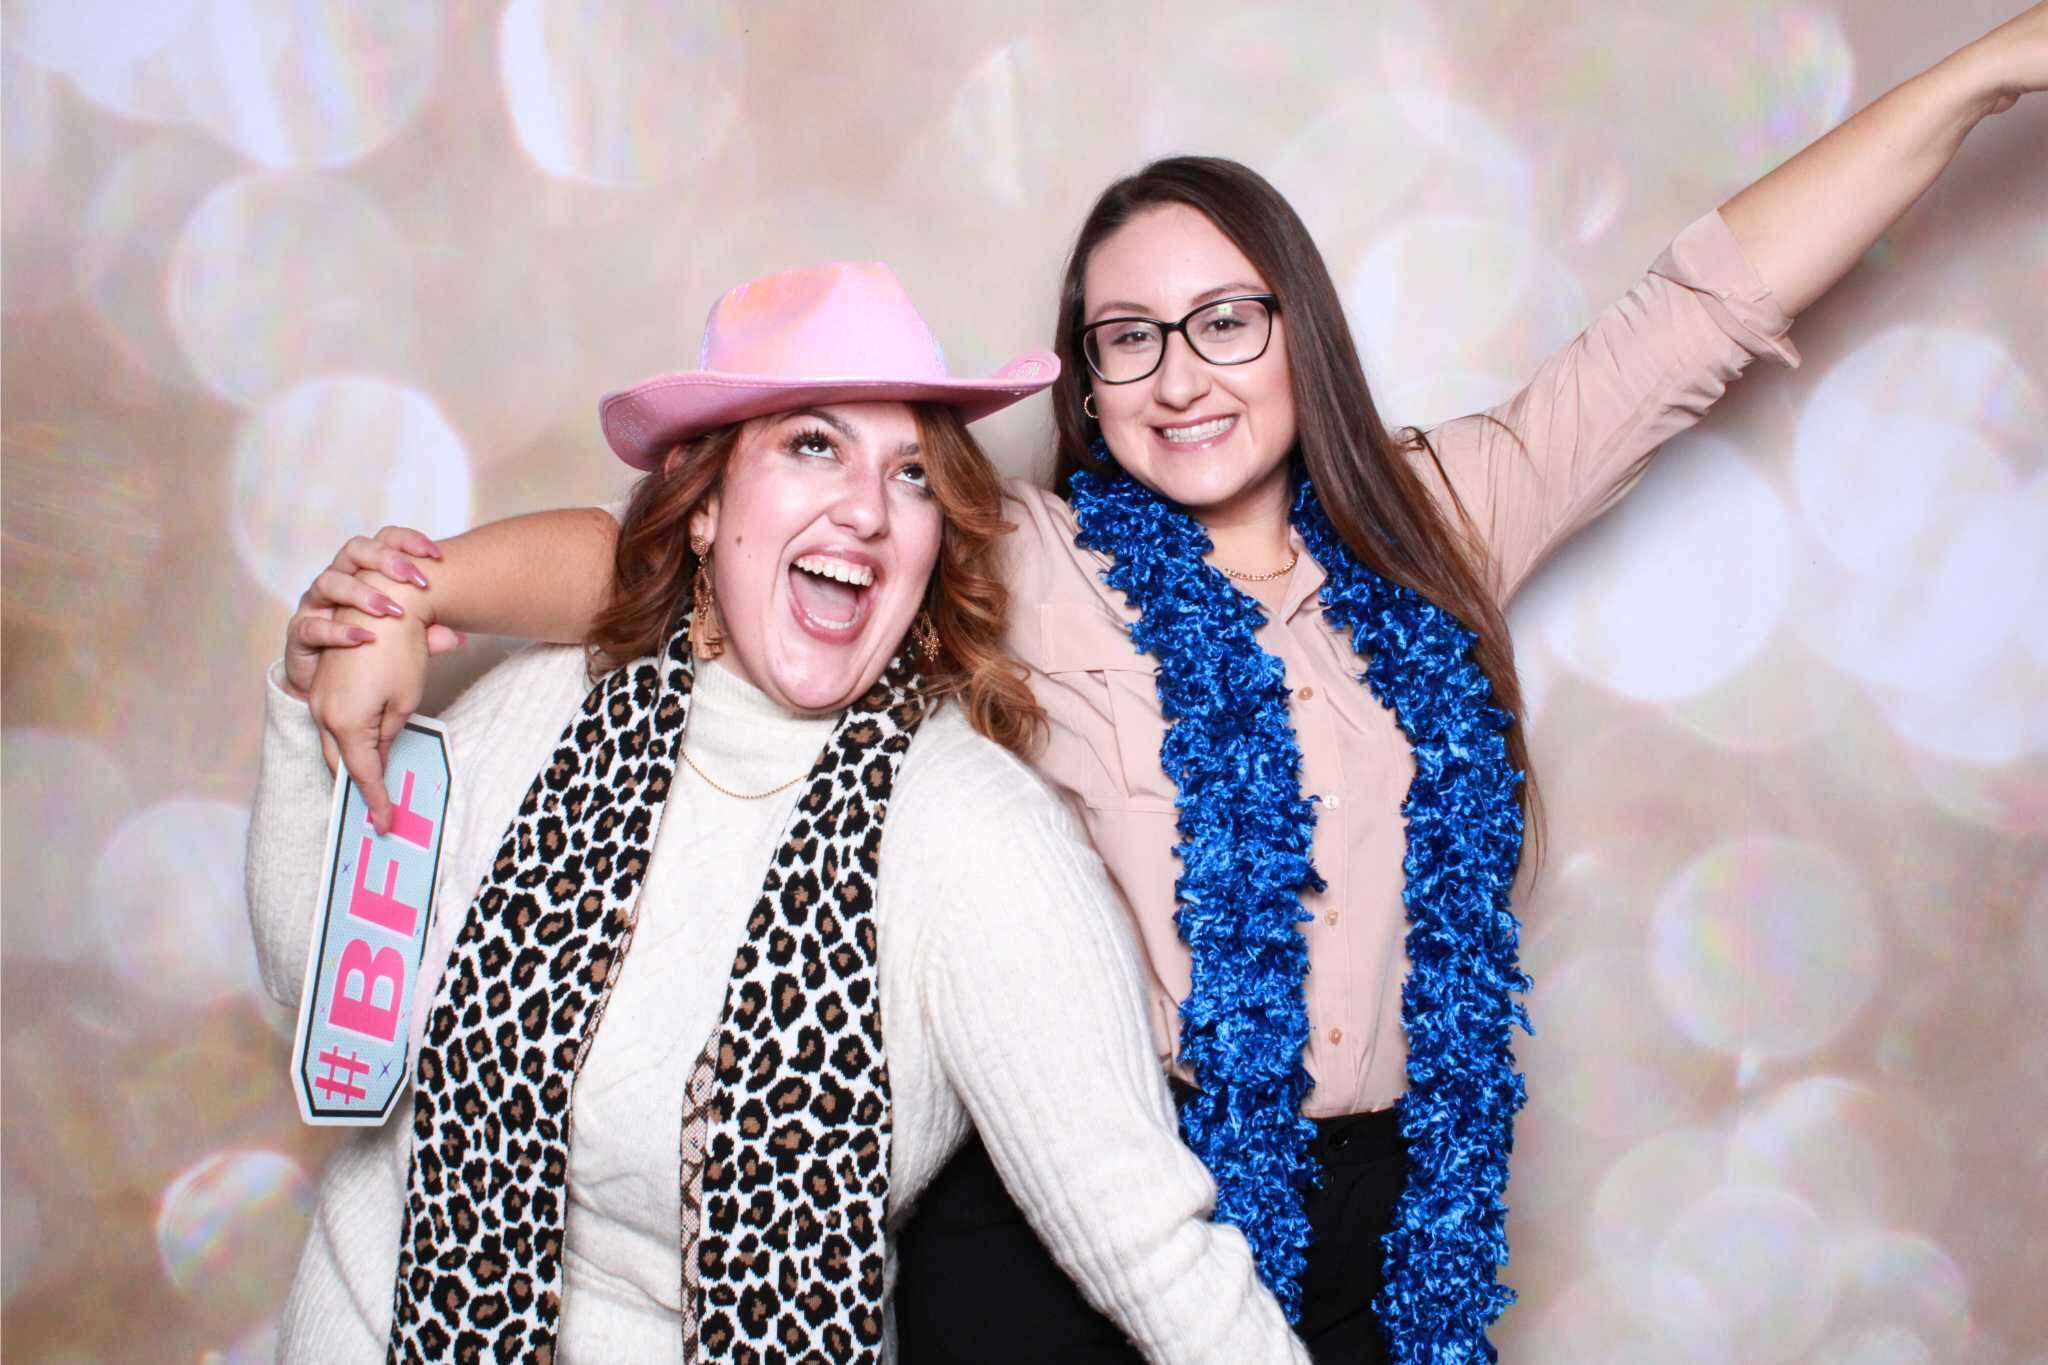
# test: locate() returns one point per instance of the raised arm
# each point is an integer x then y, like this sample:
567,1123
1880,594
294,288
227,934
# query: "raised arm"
542,576
1536,469
1809,221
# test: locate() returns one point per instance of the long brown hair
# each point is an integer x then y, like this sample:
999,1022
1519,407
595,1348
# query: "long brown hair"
653,567
1364,475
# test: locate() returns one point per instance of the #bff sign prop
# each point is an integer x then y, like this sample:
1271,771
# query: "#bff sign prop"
351,1051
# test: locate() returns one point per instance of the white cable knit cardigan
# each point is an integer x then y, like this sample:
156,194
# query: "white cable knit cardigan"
1012,998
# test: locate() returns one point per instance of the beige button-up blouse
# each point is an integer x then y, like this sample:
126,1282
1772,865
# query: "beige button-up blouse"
1575,439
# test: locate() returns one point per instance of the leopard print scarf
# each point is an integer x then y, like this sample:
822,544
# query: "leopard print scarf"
786,1130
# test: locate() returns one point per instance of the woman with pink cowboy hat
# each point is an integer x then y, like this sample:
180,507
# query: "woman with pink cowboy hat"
751,913
1269,637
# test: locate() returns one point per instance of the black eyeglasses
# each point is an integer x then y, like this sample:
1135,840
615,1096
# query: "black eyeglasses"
1232,331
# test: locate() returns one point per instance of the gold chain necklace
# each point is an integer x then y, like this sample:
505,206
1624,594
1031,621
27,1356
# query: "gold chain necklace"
1282,571
743,796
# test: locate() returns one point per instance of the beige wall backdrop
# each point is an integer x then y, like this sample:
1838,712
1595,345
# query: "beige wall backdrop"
277,272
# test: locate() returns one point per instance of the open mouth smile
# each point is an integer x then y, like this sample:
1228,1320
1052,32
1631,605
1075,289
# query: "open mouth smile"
1196,435
830,595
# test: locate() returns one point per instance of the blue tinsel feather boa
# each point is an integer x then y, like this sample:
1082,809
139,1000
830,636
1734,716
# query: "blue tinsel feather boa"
1246,833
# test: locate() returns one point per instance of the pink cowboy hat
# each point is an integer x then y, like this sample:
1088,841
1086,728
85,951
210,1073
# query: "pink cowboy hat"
825,334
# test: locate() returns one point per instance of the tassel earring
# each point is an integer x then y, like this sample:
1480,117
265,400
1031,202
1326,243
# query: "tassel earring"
707,641
925,636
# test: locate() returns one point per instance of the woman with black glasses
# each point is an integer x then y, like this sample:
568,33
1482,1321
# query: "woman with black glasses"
1269,637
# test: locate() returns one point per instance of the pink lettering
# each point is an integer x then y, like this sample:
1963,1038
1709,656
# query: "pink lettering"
407,823
338,1084
380,907
358,1010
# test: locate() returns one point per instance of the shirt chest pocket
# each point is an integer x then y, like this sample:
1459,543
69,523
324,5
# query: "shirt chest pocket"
1113,703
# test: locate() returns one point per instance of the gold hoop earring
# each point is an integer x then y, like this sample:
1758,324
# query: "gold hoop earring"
925,636
1086,399
707,641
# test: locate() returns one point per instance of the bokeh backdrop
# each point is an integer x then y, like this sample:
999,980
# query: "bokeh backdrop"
278,272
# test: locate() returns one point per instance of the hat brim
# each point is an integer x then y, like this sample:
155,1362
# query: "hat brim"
643,423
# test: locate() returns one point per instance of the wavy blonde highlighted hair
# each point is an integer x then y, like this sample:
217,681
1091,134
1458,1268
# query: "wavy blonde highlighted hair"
653,566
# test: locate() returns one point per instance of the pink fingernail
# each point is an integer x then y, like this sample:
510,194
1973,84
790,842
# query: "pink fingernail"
361,636
389,607
411,572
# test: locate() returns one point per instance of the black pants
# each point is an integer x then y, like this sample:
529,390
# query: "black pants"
975,1285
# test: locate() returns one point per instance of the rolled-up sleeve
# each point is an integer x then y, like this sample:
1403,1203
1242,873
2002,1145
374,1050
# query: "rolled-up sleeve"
1535,470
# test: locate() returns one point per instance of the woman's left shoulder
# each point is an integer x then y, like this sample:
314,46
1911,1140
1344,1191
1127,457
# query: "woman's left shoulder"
961,781
973,832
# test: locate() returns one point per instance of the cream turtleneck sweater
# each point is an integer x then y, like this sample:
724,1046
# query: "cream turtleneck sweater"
1012,999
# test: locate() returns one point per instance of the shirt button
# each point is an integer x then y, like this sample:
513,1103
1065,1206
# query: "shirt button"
1336,1035
1308,694
1331,918
1333,802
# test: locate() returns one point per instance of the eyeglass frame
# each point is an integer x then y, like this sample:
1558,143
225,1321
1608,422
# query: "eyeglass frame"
1271,303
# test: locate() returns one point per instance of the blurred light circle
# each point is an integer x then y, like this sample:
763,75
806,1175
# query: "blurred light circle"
1426,154
621,92
48,183
167,892
1558,1166
992,133
1615,773
156,1122
1991,718
161,86
315,83
77,38
1765,948
1855,1154
1680,589
1973,690
2032,613
338,457
1261,85
1635,1314
1883,510
64,796
228,1230
1643,1193
1934,625
1600,191
257,1346
1884,1345
129,234
26,135
2005,797
1573,906
1905,1282
21,1231
1741,88
279,277
1605,1064
1423,309
1902,433
1777,703
1763,1258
